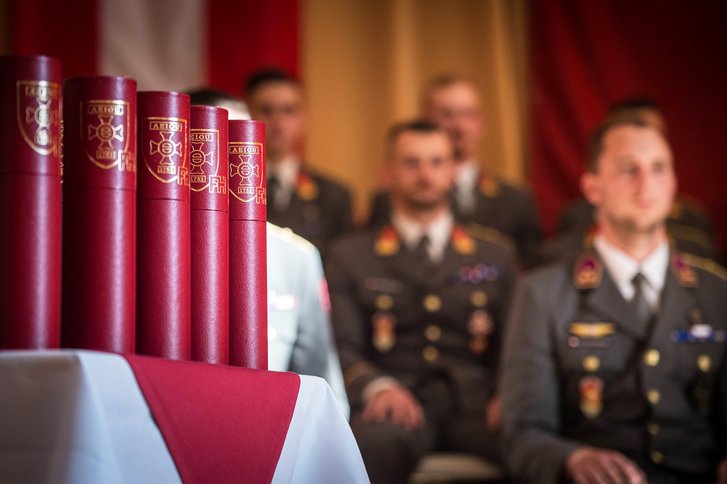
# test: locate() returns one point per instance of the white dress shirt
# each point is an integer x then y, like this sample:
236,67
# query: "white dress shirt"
622,268
438,231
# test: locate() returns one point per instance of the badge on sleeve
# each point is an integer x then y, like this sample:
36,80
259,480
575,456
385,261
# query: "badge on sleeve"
591,396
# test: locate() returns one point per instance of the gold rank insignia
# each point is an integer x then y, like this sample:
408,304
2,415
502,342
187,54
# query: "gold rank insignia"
587,272
489,185
591,396
462,241
387,242
683,271
306,187
592,330
383,335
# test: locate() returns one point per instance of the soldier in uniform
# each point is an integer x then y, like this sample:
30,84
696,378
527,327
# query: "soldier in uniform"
688,224
479,196
417,308
312,205
615,362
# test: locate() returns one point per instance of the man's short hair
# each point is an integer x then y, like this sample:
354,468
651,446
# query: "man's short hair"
422,126
595,146
442,81
266,76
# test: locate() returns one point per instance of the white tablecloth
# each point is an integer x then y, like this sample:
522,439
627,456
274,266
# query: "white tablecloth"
79,416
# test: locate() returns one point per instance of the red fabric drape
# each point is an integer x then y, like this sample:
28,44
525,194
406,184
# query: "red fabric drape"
66,30
245,35
588,54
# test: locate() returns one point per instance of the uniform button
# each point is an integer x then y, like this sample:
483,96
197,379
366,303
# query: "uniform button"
704,362
653,428
384,302
653,396
432,303
656,457
433,333
430,354
591,363
651,357
478,299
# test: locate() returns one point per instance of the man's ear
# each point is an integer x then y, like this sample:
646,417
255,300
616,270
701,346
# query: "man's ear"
590,188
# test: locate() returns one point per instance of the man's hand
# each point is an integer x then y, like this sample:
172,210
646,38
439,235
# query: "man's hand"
396,403
593,465
722,472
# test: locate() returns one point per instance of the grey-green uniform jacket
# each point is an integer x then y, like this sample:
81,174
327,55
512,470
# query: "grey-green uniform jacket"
392,317
577,370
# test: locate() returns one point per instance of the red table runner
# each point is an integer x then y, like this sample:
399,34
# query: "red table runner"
221,424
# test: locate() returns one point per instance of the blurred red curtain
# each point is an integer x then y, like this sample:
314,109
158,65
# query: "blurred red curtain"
588,54
243,35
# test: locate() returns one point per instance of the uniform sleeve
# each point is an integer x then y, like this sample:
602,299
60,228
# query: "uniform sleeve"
349,324
529,389
314,351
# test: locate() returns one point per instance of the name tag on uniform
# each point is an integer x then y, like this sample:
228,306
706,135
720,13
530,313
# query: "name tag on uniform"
590,334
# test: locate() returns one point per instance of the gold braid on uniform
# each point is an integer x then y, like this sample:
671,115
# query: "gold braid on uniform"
707,265
489,234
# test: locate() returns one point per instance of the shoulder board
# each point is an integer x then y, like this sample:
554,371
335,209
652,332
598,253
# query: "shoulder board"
587,271
707,265
386,242
287,235
491,235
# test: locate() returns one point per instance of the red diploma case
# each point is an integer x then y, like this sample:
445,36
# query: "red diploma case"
208,176
99,213
30,202
163,244
248,265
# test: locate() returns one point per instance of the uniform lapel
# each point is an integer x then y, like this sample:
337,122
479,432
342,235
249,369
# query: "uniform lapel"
676,301
606,301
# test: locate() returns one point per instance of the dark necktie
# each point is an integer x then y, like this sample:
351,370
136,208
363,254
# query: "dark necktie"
639,304
422,250
273,191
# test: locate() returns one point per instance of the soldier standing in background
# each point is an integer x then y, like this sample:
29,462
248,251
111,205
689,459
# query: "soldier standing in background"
312,205
417,309
479,197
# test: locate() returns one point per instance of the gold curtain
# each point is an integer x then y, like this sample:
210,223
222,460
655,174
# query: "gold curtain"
364,62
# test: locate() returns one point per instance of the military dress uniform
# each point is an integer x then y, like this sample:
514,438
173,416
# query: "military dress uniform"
579,368
318,209
498,205
433,328
300,337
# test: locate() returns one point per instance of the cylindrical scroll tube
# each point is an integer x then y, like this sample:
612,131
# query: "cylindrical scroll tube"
163,290
248,267
30,202
208,176
99,213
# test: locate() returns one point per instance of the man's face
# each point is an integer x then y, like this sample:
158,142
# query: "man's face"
634,185
456,108
280,106
422,169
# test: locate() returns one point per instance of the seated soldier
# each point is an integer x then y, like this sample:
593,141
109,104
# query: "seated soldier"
417,309
615,360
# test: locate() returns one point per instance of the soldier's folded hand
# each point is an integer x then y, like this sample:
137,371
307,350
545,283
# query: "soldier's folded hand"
395,403
600,466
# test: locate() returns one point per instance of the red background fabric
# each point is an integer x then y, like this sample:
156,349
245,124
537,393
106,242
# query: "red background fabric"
221,424
586,55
